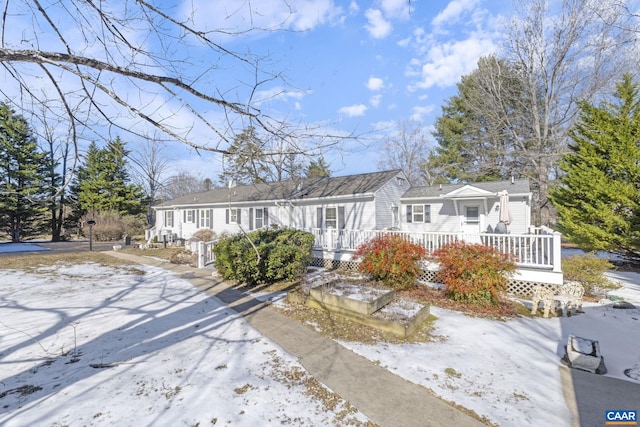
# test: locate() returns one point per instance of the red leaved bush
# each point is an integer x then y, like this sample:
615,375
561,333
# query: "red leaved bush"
473,273
390,259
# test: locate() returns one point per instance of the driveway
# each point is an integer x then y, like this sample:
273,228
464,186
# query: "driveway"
37,247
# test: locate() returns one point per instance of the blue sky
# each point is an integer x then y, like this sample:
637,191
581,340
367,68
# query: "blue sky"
359,66
347,66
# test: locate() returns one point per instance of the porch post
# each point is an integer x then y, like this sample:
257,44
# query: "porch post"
202,259
557,252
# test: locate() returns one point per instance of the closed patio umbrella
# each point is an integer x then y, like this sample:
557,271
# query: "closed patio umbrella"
505,212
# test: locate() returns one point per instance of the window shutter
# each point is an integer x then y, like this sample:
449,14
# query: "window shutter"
409,214
427,213
340,217
238,216
250,218
226,213
319,219
265,217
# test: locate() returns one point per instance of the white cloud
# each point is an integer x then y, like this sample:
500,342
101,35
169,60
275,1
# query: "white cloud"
404,42
354,8
375,83
400,9
276,93
233,16
353,110
378,27
375,101
446,63
453,12
418,113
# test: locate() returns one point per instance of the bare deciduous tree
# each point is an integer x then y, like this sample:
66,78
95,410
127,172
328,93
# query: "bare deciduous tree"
183,183
566,52
126,67
149,166
407,149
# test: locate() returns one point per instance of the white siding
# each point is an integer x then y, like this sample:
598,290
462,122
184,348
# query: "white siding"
445,219
358,214
386,197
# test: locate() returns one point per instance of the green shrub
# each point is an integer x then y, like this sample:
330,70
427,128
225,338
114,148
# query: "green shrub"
391,259
588,270
276,255
473,273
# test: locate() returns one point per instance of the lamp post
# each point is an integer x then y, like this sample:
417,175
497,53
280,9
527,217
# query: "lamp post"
91,223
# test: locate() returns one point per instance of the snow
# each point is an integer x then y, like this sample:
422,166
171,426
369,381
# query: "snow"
508,371
111,346
95,345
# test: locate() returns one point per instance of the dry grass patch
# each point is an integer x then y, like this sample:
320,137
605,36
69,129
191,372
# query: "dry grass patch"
31,263
339,328
160,252
437,297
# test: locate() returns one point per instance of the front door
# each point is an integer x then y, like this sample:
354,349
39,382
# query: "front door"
471,219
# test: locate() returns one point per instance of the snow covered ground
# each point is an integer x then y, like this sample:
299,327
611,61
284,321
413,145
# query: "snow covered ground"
93,345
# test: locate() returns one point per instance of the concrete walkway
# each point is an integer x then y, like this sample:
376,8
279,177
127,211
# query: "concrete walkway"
384,397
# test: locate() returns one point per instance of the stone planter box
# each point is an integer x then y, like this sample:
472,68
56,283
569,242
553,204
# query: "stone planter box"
403,326
350,297
583,353
376,308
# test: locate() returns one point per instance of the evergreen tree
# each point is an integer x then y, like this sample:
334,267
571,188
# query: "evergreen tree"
245,163
598,199
478,128
103,183
317,169
22,173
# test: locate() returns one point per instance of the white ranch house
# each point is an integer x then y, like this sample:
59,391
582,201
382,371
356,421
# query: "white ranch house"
344,212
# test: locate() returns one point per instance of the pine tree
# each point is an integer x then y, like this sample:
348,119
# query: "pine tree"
478,128
22,173
317,169
598,199
103,184
245,163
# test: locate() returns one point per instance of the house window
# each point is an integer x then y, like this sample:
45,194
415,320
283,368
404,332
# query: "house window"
471,215
261,218
205,218
332,217
190,216
168,218
418,213
233,216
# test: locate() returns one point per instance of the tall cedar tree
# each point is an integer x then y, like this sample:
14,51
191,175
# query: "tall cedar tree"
22,173
103,183
598,199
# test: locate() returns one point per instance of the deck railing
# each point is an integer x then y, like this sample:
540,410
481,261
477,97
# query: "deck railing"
540,248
